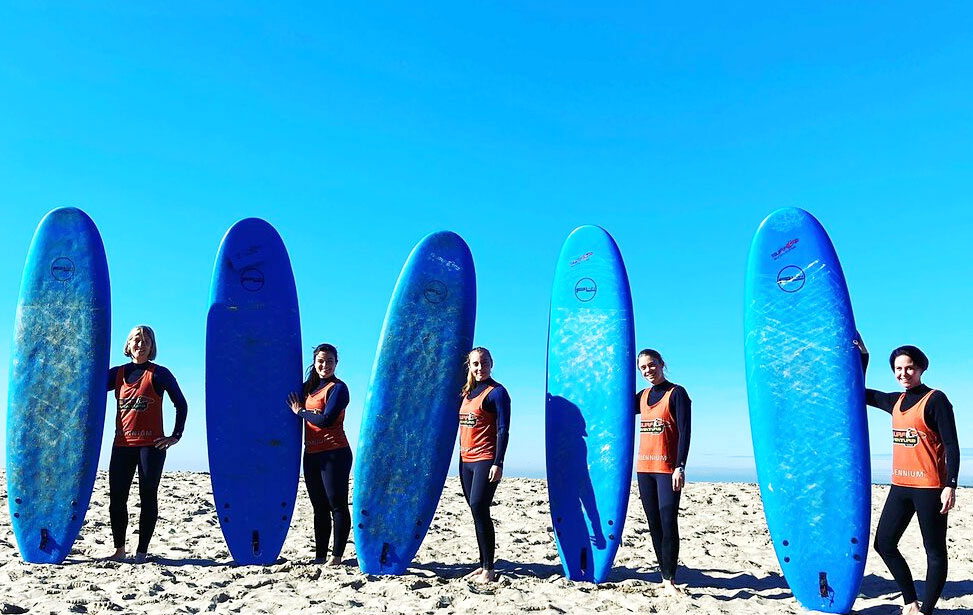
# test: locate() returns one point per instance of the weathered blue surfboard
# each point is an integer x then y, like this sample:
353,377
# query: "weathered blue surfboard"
411,412
253,360
57,389
807,409
590,390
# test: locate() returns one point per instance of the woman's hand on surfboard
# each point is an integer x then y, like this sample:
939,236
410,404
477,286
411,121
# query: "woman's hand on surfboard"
678,479
294,402
949,499
165,443
496,473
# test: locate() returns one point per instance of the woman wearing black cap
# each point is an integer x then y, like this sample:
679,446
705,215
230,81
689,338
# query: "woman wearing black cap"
925,467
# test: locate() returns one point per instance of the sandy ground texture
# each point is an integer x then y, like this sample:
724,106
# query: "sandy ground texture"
728,563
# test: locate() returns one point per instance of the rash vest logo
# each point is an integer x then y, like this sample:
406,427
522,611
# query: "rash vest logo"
135,404
653,427
468,420
905,437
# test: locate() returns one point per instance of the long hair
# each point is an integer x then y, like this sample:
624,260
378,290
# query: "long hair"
147,334
470,380
311,378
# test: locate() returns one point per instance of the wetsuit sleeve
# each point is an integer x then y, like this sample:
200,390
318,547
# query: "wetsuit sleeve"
165,382
636,406
337,402
681,407
112,376
498,401
940,416
880,400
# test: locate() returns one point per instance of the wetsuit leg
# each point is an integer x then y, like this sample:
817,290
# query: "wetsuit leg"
335,472
661,505
121,471
669,513
479,492
932,524
314,479
151,462
896,516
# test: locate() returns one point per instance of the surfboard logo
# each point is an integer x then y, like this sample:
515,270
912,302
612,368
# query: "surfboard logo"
791,279
585,290
252,279
581,258
62,269
785,249
434,292
653,427
905,437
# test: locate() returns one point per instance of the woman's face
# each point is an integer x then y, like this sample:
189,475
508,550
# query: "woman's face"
906,372
651,370
480,366
139,347
324,364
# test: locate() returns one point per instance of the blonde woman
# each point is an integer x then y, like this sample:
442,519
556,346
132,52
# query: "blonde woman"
140,442
484,420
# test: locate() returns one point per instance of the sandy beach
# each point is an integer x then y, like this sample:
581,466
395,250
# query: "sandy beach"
728,564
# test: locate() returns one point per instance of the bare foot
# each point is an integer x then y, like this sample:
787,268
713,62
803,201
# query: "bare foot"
473,575
141,558
118,556
911,609
487,575
669,589
334,561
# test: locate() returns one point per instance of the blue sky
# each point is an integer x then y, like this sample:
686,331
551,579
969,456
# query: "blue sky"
356,131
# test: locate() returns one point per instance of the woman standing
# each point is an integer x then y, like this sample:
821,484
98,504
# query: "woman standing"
664,433
327,454
484,419
140,442
925,467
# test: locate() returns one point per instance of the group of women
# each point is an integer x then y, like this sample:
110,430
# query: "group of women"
925,463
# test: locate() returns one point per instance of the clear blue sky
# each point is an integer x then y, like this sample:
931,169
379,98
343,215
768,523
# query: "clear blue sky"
356,131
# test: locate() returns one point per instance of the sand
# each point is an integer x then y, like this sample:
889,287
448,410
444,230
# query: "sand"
728,563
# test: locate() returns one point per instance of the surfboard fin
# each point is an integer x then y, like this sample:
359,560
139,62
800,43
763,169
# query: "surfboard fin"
385,554
584,560
44,540
823,584
255,542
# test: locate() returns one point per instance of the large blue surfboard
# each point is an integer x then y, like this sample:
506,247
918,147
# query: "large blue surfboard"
57,388
411,412
590,390
253,360
807,410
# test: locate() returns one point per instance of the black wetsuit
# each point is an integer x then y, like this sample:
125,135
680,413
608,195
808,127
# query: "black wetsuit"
148,460
474,476
659,500
326,476
904,502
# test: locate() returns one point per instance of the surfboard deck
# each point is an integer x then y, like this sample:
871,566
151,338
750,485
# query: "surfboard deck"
411,411
58,384
253,360
807,410
590,421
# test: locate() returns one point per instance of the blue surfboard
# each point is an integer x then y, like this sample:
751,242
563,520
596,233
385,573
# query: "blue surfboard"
253,360
411,412
57,388
590,415
807,410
